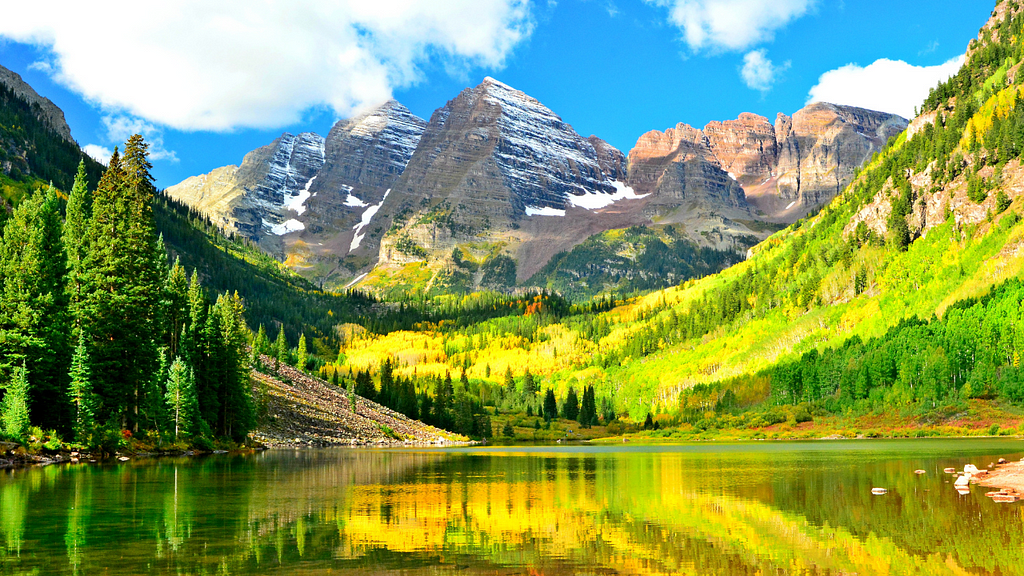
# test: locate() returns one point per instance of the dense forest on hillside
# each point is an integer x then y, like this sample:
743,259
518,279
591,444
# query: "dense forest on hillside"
901,296
806,320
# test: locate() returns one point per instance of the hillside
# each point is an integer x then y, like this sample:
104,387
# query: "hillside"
303,410
927,236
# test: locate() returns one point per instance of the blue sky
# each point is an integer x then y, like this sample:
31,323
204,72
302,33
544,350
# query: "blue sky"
205,94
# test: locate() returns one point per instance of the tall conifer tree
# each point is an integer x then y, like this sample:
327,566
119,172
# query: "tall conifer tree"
122,289
33,305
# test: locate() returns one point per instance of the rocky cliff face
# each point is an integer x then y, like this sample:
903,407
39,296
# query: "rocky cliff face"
773,172
495,155
304,197
48,112
496,173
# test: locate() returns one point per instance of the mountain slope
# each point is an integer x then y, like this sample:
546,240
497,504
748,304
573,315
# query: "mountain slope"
301,198
901,295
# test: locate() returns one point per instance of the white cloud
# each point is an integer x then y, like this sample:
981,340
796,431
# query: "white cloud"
886,85
731,24
200,65
758,72
98,153
120,128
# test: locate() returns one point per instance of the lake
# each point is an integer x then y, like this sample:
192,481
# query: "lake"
709,508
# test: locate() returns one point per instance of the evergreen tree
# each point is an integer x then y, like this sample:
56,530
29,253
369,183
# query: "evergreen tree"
550,405
443,403
177,312
83,401
387,395
14,408
303,356
280,350
508,430
261,344
364,386
75,237
510,382
33,305
529,387
123,287
571,408
237,415
181,398
588,408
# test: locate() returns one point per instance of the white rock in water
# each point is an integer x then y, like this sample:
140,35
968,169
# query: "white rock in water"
962,481
970,469
123,458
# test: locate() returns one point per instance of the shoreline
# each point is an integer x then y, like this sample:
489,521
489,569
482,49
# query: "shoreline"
1008,477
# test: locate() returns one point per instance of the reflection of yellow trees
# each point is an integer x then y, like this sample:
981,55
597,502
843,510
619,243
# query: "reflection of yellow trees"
619,519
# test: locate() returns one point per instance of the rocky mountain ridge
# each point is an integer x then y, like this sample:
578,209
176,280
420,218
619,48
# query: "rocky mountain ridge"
495,172
48,112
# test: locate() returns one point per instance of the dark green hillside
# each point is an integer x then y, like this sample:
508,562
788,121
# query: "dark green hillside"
634,260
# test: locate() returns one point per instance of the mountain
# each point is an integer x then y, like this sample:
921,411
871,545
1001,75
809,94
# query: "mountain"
44,110
502,182
301,198
896,308
750,169
36,147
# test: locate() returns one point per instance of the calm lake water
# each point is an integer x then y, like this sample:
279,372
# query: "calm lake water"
760,508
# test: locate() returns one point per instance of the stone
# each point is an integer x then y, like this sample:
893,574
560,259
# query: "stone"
879,491
970,469
962,481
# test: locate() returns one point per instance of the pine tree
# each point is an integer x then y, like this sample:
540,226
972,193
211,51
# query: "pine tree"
123,286
76,227
443,403
571,408
303,356
529,387
261,344
83,401
181,398
33,305
237,412
510,382
14,408
588,408
177,312
550,405
364,386
280,350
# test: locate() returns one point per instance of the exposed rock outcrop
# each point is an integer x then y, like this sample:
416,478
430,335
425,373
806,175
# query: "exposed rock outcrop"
777,172
48,112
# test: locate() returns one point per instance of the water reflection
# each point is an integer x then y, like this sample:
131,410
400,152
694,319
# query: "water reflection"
778,508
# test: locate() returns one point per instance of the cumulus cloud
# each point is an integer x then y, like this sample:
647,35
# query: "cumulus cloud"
887,85
758,72
731,24
200,65
98,153
120,128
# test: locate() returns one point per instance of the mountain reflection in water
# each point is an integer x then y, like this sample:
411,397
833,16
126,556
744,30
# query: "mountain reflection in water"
778,508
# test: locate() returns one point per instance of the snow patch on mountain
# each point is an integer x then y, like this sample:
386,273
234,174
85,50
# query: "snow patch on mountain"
368,215
544,211
539,155
597,200
286,227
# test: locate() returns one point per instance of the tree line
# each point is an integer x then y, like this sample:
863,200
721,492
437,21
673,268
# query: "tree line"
100,337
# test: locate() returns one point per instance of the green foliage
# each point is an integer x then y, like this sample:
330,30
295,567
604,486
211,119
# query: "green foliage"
499,272
630,261
14,410
80,393
302,355
182,402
